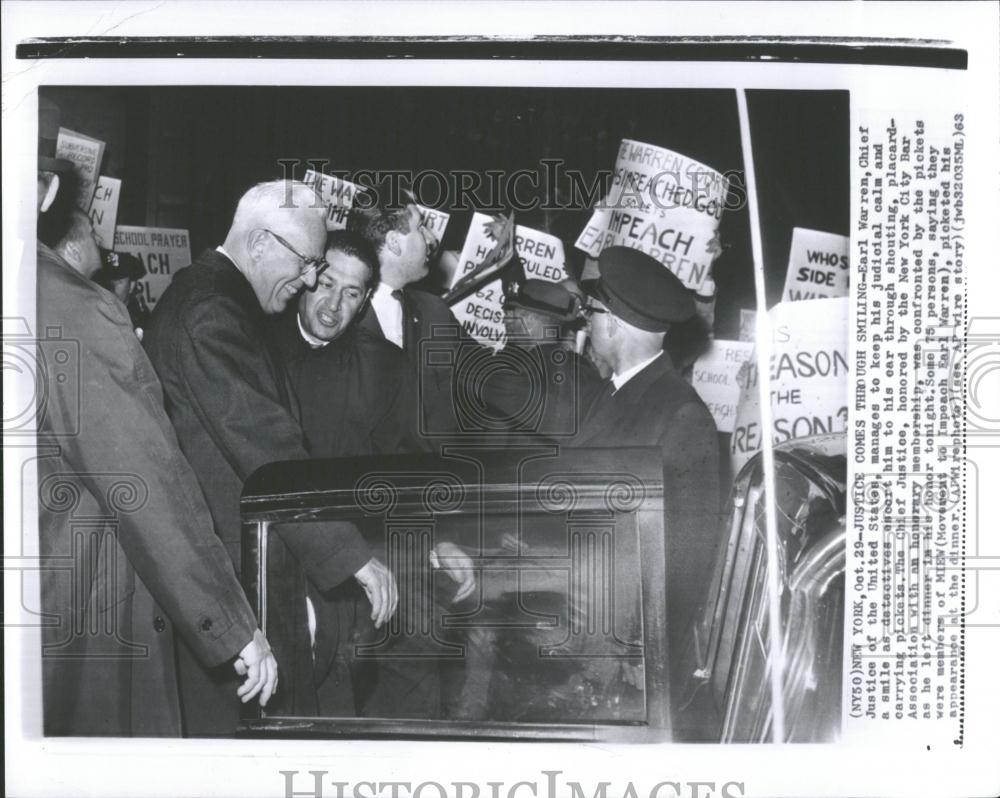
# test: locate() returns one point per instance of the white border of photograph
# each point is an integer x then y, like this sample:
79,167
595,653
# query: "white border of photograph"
885,766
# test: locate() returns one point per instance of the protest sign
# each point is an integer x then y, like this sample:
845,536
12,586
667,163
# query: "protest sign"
748,325
591,240
434,221
86,154
663,204
337,194
541,254
481,312
162,250
714,378
808,377
104,210
817,265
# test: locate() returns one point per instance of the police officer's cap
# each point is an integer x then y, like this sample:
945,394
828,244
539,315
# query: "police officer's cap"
548,299
641,291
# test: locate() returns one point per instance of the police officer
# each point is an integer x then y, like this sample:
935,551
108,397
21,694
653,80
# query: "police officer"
646,402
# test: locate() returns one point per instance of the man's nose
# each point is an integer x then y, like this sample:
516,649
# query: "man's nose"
309,279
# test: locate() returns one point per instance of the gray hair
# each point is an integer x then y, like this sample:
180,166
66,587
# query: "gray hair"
278,205
278,197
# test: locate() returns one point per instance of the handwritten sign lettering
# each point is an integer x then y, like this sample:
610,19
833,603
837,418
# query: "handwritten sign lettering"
162,250
818,266
665,205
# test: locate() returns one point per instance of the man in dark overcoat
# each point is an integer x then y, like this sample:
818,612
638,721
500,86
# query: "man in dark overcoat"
356,394
647,403
228,397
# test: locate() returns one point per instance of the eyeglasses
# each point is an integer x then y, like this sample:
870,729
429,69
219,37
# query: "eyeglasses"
311,264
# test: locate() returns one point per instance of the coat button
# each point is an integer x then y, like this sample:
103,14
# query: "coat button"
159,624
206,624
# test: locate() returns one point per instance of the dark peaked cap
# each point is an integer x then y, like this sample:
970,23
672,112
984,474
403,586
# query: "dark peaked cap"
119,265
641,291
549,299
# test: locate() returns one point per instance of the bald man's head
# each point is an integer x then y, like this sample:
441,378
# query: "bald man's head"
277,240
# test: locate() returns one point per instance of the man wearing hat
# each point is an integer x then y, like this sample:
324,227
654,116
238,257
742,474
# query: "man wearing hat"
646,402
57,182
119,274
537,382
540,311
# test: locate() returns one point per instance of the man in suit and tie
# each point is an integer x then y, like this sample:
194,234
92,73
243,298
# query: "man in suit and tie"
229,400
411,318
647,403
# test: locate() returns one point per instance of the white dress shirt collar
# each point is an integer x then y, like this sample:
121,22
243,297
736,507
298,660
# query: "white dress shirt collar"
620,379
222,251
309,338
389,312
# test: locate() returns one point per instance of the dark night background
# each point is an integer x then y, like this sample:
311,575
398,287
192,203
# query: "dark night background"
186,154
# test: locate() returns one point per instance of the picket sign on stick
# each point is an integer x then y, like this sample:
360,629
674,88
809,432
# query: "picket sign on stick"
808,377
163,251
664,204
337,193
86,154
489,247
818,265
776,670
715,379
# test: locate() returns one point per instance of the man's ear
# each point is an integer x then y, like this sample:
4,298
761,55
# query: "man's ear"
256,241
392,242
51,190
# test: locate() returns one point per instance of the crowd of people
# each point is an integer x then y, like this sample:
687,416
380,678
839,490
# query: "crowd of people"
288,342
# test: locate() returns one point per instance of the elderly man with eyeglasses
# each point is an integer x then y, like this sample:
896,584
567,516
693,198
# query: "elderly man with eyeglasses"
228,397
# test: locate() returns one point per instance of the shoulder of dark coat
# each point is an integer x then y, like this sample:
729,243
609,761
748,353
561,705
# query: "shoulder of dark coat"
668,381
283,330
430,306
377,350
210,289
211,273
